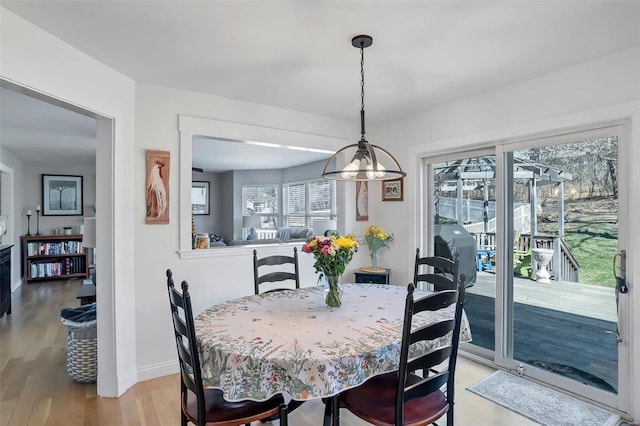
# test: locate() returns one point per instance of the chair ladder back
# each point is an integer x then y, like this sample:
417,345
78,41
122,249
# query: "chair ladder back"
182,316
427,385
274,260
439,265
441,299
438,262
212,403
439,282
277,275
432,331
186,365
429,360
435,301
404,354
455,341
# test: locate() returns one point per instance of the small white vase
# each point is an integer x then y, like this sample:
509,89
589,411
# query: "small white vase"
542,258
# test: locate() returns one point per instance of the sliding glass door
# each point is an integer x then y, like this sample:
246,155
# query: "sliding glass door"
561,319
463,220
544,219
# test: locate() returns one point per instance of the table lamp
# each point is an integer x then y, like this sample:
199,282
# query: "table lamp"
252,222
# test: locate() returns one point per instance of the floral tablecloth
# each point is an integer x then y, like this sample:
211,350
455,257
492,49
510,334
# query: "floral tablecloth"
290,342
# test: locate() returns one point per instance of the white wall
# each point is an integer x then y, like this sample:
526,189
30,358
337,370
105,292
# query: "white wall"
601,90
33,58
211,279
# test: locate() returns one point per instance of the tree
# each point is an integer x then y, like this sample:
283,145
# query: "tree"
593,163
61,186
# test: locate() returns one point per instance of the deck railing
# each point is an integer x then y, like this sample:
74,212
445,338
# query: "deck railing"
563,266
266,234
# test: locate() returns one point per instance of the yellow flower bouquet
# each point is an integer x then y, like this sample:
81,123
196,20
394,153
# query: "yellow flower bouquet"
376,238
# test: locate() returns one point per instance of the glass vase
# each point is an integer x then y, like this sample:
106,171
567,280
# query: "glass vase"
333,291
373,254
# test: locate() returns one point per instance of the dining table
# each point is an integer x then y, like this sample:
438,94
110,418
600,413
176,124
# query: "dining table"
290,342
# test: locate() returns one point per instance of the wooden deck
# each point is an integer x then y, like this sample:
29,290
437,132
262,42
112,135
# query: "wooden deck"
564,327
575,298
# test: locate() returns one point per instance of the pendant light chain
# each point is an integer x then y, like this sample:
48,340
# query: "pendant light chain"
362,78
362,91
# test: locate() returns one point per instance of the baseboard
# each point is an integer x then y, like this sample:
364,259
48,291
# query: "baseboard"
158,370
16,285
125,382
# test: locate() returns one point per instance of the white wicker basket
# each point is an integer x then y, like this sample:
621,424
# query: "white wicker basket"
82,351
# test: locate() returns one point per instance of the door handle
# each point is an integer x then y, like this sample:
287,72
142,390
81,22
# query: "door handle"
621,285
619,271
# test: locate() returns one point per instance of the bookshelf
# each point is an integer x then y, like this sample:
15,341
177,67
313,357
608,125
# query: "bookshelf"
47,257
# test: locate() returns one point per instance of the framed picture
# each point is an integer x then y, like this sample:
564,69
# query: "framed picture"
157,186
199,197
61,195
362,201
392,190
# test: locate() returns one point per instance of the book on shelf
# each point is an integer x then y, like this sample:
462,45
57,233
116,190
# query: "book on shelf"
68,266
39,248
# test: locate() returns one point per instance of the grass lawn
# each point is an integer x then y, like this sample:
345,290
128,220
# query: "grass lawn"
593,245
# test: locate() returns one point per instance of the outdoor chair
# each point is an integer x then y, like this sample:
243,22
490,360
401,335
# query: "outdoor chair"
261,265
202,406
402,397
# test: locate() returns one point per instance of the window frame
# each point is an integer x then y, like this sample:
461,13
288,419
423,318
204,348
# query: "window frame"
308,215
275,215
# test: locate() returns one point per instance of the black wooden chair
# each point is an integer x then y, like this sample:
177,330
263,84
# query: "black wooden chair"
275,276
403,397
441,274
207,406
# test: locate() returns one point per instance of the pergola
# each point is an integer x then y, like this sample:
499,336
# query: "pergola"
480,173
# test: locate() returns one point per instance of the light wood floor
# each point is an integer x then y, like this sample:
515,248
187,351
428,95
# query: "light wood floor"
36,390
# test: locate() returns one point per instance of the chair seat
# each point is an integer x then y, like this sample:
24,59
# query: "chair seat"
374,402
221,411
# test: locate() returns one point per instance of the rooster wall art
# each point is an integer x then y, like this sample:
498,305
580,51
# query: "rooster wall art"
157,197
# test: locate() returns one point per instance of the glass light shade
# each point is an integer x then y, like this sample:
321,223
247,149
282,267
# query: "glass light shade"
368,162
351,171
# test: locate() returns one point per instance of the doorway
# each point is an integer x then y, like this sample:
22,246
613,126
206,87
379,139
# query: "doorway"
544,217
104,181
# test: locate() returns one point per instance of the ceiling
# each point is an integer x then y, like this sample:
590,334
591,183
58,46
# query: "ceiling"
298,54
220,155
39,129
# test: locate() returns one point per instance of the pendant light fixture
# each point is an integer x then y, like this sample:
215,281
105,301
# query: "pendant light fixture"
368,162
